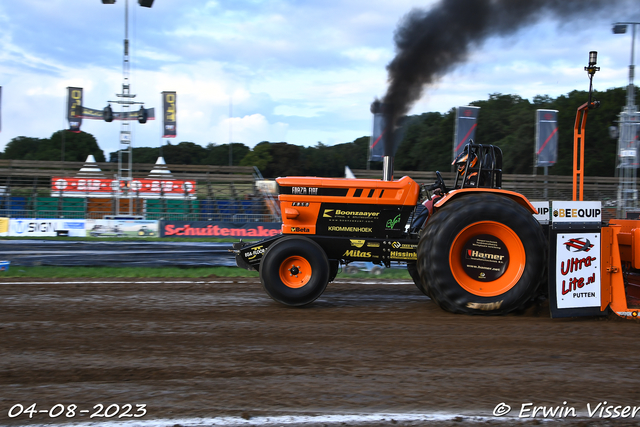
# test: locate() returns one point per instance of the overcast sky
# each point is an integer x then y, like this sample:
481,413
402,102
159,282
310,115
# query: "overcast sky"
299,71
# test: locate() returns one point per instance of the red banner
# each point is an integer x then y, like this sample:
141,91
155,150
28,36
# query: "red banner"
145,188
466,118
546,137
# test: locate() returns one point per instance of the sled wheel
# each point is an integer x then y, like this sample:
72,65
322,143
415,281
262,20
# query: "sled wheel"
294,271
482,254
412,268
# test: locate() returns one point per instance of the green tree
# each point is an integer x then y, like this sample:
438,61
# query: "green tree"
23,148
285,160
259,157
185,153
427,143
319,161
219,154
141,154
77,146
600,151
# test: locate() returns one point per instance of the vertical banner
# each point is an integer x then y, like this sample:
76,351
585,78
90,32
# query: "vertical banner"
169,114
74,107
377,142
0,108
546,137
466,118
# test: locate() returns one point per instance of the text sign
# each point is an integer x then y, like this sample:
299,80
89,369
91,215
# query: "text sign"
146,188
578,270
543,212
568,211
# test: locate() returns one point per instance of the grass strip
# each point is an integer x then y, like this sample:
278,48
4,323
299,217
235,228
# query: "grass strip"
165,272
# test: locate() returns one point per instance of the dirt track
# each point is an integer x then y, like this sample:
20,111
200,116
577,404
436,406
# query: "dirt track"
221,347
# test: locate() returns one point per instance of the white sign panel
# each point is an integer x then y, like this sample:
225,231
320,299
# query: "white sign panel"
576,211
543,212
29,227
578,270
121,228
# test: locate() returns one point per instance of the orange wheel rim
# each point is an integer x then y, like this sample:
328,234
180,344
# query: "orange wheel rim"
487,258
295,272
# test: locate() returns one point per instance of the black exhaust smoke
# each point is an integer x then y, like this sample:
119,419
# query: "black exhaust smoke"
430,43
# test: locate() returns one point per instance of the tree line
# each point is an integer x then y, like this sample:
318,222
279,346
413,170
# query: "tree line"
507,121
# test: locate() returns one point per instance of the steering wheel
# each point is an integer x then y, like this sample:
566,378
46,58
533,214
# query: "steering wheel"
438,184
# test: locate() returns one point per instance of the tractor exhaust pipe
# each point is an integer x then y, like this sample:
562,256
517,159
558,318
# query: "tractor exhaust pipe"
387,168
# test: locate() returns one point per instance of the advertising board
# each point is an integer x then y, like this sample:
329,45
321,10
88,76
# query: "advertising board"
121,228
143,188
38,227
575,259
218,229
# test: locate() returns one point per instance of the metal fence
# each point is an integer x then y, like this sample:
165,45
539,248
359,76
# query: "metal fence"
223,210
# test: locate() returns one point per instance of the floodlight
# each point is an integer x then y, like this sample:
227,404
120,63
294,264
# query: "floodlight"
619,28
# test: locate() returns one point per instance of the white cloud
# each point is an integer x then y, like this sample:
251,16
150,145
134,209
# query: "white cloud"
367,54
250,130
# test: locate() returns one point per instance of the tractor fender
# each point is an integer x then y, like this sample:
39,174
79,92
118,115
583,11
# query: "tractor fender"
517,197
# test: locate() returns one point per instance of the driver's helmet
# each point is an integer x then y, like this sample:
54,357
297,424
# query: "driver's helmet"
461,161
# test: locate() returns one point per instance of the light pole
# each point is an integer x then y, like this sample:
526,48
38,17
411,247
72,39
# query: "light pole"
627,144
125,170
621,28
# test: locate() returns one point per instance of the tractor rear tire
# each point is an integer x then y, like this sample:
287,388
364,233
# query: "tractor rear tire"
412,268
482,254
294,271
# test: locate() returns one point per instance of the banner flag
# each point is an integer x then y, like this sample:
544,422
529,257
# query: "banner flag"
379,135
74,103
169,115
546,137
376,145
0,108
92,114
466,118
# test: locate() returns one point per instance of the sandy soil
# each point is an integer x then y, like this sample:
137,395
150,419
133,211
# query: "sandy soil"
220,347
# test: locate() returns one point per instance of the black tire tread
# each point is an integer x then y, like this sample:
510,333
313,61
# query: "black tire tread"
277,253
443,227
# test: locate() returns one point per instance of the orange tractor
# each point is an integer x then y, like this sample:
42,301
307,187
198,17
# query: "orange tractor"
479,251
474,248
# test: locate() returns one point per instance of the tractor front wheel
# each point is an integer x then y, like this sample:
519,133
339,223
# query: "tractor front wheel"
294,271
482,254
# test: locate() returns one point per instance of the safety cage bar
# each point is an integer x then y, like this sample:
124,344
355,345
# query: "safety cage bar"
486,171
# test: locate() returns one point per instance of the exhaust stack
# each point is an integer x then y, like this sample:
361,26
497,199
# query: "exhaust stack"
387,168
